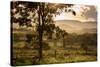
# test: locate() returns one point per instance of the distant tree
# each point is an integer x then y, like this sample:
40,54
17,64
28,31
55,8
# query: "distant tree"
88,40
64,35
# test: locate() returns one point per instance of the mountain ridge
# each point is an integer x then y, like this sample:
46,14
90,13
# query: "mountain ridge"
72,26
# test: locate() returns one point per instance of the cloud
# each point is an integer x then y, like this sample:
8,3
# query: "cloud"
92,13
84,13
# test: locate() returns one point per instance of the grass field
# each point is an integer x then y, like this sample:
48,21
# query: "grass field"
25,56
53,51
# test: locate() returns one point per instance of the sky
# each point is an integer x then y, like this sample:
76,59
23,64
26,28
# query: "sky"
84,13
84,20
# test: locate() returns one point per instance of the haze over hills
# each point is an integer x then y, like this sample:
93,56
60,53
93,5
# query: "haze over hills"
73,26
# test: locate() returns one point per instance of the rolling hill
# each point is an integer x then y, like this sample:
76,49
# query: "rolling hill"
73,26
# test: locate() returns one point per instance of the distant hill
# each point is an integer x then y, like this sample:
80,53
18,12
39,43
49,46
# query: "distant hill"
73,26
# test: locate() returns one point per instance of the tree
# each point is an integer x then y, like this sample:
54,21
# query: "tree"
61,34
42,16
64,34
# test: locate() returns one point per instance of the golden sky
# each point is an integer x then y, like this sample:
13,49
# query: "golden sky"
84,13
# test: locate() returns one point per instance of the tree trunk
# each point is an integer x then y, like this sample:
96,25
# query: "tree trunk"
40,45
40,32
63,42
